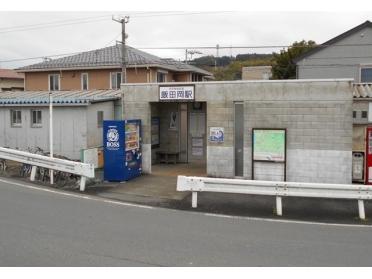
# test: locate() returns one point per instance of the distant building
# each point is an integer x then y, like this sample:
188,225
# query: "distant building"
348,55
10,80
256,73
101,70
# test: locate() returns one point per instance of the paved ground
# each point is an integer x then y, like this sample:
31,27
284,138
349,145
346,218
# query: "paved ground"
159,189
54,228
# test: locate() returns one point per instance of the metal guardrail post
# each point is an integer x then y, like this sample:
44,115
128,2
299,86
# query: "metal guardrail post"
83,180
194,199
362,214
33,173
279,206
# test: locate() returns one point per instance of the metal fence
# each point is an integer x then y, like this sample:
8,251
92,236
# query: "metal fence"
275,188
32,162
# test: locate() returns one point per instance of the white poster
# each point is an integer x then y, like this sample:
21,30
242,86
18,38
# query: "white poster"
216,134
173,121
197,151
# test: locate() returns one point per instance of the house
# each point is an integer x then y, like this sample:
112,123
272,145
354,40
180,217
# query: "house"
256,73
346,56
101,70
77,119
10,80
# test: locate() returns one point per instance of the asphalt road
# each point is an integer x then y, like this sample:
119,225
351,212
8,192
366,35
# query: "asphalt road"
43,227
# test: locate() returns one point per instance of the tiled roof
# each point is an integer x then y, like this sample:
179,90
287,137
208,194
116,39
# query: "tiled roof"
59,97
7,73
362,90
111,56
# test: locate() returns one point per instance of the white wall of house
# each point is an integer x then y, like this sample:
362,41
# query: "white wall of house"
94,130
337,61
69,127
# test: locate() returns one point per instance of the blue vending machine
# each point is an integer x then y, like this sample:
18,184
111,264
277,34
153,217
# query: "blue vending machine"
122,149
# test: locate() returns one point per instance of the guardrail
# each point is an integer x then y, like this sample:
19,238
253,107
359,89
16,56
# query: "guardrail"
275,188
36,160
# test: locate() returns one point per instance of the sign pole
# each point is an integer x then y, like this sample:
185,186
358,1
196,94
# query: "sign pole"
51,133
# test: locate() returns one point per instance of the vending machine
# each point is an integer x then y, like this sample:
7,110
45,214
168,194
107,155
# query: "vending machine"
122,149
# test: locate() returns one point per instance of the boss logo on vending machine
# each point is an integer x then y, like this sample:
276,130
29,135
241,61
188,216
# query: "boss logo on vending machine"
112,137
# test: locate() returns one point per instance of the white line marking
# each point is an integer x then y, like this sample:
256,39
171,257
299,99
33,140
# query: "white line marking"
104,200
80,196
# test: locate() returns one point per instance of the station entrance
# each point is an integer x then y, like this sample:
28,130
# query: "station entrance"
178,138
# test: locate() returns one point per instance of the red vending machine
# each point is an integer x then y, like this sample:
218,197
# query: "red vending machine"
368,159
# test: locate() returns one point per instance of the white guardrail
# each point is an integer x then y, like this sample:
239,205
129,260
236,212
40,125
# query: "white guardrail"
275,188
36,160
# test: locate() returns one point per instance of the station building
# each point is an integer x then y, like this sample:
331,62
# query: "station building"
293,130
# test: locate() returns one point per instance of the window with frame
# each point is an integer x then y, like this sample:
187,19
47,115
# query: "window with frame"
84,81
36,118
364,114
160,77
54,80
366,74
16,118
99,118
115,80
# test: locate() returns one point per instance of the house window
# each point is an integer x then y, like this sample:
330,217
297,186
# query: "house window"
366,75
161,77
99,119
354,114
196,77
364,114
115,80
84,81
35,118
16,118
54,82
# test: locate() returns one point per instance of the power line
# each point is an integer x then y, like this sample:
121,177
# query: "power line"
252,46
59,23
51,22
191,47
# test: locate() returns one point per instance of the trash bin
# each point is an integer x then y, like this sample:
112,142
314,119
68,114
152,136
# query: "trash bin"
358,166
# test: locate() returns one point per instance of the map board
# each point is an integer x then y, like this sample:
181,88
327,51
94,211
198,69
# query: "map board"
269,145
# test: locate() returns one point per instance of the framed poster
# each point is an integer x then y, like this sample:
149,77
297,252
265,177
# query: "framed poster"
155,131
216,134
173,120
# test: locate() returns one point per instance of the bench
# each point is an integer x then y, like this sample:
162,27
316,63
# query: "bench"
167,157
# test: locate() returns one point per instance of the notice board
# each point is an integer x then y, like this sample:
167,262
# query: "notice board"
269,145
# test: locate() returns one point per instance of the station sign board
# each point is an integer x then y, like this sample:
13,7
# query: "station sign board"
176,93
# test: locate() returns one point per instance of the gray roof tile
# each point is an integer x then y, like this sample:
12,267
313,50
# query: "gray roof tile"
59,97
111,56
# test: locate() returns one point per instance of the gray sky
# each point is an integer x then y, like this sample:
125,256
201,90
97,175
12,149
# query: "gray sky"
203,29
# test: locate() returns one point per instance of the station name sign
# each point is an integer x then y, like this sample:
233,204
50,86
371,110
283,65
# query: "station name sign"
176,93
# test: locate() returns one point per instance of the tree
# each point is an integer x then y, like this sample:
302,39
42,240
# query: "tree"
283,66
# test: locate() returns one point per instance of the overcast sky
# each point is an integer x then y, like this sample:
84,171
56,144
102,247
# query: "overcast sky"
203,29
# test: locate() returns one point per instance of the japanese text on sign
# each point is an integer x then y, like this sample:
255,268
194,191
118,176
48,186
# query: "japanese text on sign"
179,93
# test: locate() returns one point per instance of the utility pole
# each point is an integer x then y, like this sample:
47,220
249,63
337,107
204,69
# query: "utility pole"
51,173
124,36
215,60
186,52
